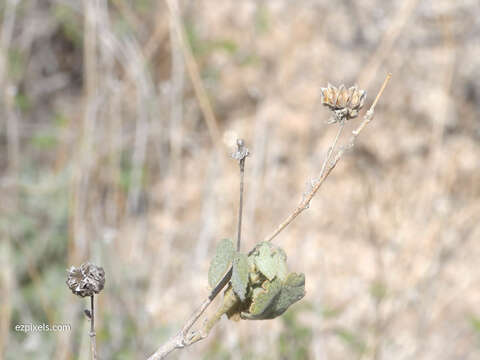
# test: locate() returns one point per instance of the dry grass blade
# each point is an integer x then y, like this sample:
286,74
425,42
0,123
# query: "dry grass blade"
194,72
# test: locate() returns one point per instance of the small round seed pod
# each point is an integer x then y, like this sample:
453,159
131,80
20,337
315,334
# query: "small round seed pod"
86,279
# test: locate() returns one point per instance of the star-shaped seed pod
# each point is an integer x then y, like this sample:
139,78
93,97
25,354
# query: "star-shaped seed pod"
86,279
345,103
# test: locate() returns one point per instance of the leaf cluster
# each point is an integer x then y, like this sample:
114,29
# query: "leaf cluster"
260,281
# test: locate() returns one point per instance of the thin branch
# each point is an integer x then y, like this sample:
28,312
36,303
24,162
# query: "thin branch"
332,147
93,341
306,201
369,115
240,204
240,155
184,338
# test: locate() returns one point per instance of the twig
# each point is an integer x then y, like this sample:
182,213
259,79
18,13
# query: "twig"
183,338
240,155
329,167
93,342
369,115
332,147
240,203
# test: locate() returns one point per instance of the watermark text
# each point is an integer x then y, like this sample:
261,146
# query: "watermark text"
42,327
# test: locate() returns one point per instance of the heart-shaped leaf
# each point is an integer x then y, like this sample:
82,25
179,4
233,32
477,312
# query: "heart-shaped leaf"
265,262
221,261
240,275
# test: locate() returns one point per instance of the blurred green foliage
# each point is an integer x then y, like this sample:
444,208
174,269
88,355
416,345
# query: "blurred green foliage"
16,64
39,229
475,323
295,340
70,23
22,102
126,179
204,46
44,141
378,290
262,19
352,340
217,351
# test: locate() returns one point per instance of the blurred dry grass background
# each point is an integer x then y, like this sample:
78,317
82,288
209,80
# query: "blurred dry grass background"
106,155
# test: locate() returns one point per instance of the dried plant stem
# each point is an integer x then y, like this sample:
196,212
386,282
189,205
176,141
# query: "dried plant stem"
331,148
369,115
184,337
93,341
241,164
329,164
306,200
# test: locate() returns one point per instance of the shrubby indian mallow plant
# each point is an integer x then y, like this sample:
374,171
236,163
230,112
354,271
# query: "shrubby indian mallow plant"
258,284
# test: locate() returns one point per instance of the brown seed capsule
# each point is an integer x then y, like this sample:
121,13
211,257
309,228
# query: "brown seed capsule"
329,96
342,98
357,98
86,279
344,103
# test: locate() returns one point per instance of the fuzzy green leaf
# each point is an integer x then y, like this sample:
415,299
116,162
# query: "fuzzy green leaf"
221,261
240,275
280,266
262,299
265,262
293,290
274,298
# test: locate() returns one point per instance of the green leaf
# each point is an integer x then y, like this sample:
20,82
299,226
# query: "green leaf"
221,261
280,265
265,261
262,299
293,290
274,298
240,275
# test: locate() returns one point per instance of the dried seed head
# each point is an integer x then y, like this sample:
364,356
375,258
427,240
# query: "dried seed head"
344,103
86,279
